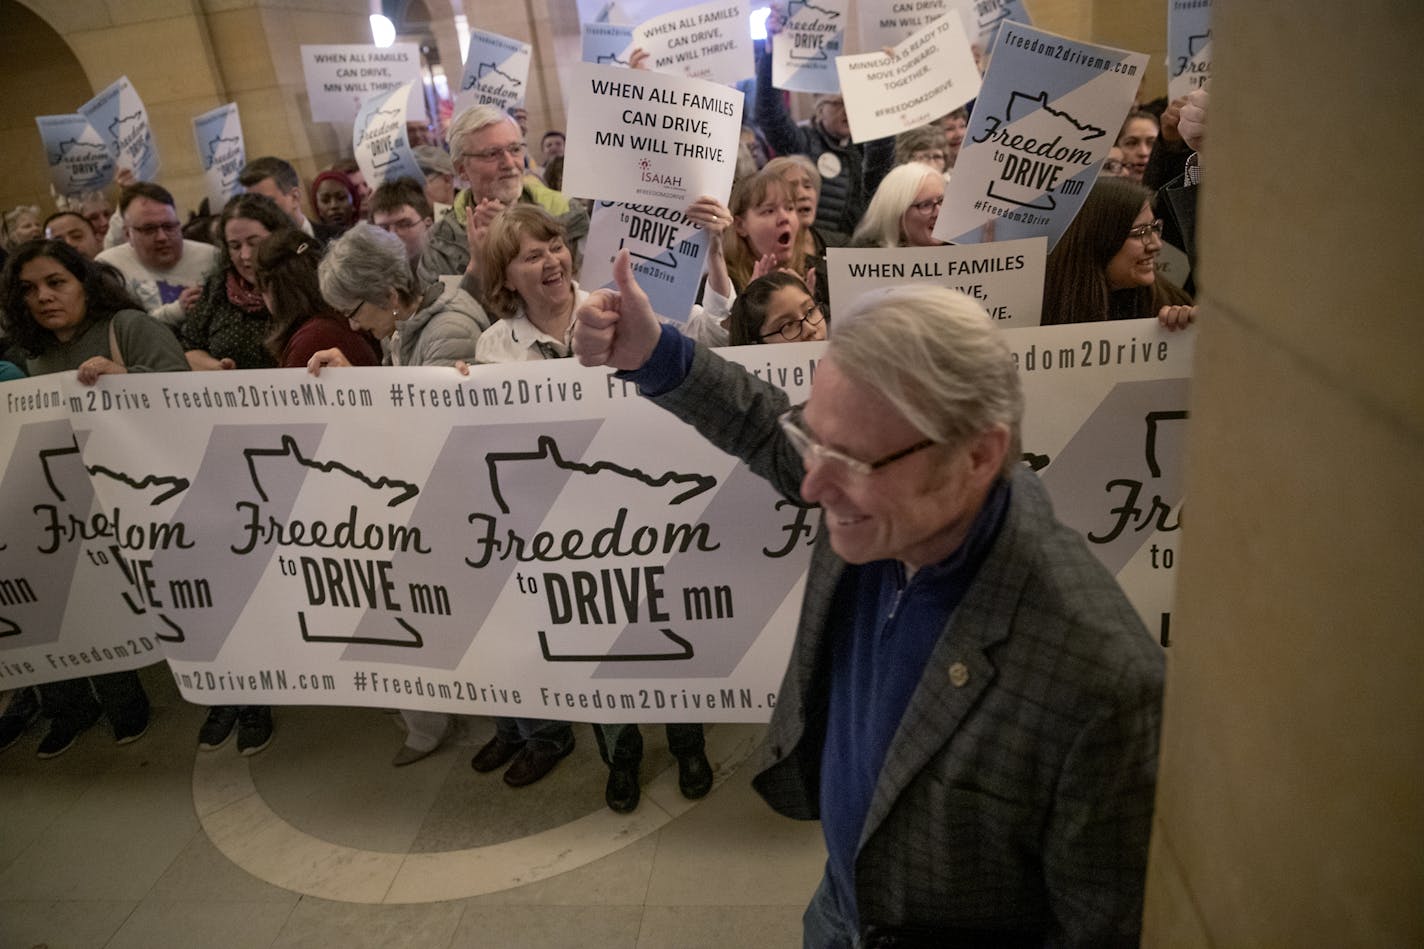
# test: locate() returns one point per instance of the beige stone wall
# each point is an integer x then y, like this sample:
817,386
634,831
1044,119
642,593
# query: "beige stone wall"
41,76
1289,799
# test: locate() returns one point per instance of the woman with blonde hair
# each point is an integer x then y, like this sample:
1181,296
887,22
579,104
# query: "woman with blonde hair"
904,209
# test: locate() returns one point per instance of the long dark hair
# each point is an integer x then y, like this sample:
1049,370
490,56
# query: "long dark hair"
749,309
1075,286
105,292
286,272
252,207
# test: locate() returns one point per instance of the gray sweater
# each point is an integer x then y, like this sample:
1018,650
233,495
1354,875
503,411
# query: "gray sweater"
145,345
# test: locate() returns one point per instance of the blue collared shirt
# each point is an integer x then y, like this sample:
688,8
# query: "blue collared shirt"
883,631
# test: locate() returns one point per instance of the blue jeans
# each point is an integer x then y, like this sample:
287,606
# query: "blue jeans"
539,734
823,926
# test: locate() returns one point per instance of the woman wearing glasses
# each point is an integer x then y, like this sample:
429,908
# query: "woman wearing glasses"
1104,267
904,209
776,308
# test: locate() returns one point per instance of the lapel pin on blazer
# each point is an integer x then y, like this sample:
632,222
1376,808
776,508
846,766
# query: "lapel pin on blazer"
958,674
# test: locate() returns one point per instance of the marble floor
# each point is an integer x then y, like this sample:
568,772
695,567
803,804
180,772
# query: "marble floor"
318,841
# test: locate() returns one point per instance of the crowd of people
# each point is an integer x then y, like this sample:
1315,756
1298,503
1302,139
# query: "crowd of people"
478,263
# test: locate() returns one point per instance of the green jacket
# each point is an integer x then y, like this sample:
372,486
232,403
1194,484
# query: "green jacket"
448,249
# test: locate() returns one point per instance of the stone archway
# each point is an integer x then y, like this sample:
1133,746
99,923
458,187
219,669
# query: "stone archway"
42,76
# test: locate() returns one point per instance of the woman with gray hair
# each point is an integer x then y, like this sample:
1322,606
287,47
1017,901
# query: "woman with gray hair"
366,276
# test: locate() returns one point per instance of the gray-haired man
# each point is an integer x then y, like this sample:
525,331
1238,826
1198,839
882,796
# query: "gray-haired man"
972,706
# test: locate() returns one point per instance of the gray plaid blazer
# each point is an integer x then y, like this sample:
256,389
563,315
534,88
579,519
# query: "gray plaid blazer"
1016,796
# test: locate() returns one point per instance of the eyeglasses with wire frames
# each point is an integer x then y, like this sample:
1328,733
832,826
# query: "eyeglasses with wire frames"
793,423
1141,231
791,329
514,150
401,225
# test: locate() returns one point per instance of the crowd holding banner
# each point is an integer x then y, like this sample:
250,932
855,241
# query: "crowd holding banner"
532,529
100,486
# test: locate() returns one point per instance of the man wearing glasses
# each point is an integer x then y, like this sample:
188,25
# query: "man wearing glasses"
164,271
399,207
488,151
971,707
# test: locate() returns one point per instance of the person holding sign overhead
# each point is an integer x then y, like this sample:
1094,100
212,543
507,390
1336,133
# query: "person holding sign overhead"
841,163
972,706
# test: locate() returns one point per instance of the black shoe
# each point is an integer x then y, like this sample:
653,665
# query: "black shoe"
61,735
218,727
131,729
622,792
694,775
532,763
24,709
495,754
254,729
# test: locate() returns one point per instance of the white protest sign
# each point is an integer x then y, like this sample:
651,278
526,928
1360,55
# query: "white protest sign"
70,602
803,55
1188,46
668,253
982,19
607,44
218,137
119,117
1046,115
1005,279
1105,426
339,78
650,138
78,158
1174,264
889,22
496,72
711,41
930,74
379,140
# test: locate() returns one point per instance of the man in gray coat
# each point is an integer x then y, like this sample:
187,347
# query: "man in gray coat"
971,706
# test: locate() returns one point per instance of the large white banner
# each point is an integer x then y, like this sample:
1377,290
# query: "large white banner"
379,139
496,71
803,55
1105,426
70,602
340,77
218,137
1047,113
77,156
1188,46
926,76
1006,279
118,115
512,540
535,539
710,41
650,138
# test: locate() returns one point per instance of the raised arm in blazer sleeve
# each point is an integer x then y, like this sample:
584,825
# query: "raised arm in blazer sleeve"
738,412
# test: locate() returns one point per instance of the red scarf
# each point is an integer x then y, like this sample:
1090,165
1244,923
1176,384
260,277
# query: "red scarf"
242,294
